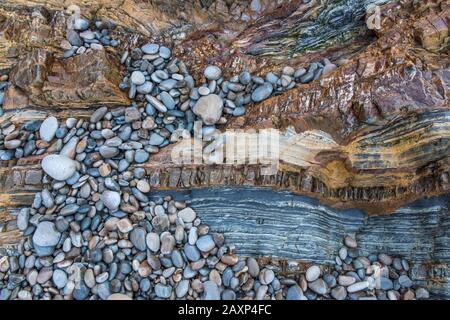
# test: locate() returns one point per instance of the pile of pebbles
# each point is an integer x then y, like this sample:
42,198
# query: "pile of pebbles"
359,277
3,85
162,85
94,231
81,38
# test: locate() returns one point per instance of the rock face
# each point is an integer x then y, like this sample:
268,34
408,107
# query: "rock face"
82,81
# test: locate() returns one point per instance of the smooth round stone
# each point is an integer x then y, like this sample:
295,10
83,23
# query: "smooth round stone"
318,286
59,278
46,234
330,280
59,167
177,259
145,88
48,129
138,78
211,291
339,293
80,24
163,291
12,144
295,293
262,92
182,288
205,243
118,296
350,242
191,252
358,286
150,48
87,35
312,273
343,253
155,139
164,52
141,156
253,267
212,73
111,199
245,77
385,259
81,291
346,280
266,276
209,108
143,186
386,283
138,237
187,215
97,115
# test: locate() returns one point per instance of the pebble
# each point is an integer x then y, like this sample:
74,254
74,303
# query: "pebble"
188,215
138,78
150,48
211,291
266,276
59,278
312,273
262,92
318,286
209,108
48,129
138,238
350,242
205,243
46,234
339,293
111,199
212,73
23,218
59,167
358,286
163,291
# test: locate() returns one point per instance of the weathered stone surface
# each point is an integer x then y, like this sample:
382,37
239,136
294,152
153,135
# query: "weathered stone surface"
81,81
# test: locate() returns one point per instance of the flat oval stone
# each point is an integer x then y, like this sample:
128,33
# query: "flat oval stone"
137,237
211,291
59,278
212,73
187,215
150,48
48,129
59,167
153,242
262,92
138,78
111,199
358,286
312,273
205,243
318,286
